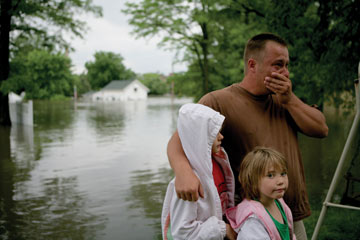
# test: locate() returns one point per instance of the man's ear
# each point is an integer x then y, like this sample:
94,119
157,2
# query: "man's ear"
251,65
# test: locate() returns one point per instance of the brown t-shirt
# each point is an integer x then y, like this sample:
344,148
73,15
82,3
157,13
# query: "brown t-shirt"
252,121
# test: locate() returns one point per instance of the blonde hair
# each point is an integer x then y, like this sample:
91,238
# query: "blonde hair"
254,166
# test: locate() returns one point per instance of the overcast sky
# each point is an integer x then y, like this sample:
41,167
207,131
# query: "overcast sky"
112,33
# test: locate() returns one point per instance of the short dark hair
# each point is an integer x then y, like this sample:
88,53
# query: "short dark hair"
257,43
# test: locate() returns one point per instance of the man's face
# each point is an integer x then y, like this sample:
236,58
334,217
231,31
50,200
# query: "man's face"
275,59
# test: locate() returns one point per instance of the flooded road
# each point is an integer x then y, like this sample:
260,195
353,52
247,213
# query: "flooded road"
99,170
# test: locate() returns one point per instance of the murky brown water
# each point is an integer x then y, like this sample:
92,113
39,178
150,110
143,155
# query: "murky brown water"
100,171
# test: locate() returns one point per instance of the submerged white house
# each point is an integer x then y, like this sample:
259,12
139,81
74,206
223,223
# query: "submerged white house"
121,90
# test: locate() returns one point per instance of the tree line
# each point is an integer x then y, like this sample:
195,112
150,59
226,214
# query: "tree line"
323,38
45,75
34,54
25,24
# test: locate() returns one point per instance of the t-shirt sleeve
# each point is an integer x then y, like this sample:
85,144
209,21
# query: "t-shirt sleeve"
210,101
253,229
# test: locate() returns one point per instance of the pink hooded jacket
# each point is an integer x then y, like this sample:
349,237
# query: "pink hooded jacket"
239,214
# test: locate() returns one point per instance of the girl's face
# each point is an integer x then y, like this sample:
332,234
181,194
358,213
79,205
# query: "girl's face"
273,184
217,143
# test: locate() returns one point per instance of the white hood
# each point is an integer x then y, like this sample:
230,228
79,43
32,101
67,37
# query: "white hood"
198,127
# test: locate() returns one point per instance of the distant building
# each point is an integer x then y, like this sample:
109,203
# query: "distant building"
121,90
21,112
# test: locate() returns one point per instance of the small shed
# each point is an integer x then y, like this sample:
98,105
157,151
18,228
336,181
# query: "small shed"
122,90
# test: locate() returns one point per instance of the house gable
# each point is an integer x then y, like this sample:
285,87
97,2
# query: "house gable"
117,85
135,84
122,90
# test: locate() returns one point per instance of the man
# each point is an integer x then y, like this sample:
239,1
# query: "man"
261,110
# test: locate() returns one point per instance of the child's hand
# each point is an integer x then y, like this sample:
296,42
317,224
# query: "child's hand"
230,233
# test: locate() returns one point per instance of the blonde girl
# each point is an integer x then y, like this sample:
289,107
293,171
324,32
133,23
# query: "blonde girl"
262,214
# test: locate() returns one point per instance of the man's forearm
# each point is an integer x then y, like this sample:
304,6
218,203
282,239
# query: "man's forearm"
309,119
176,155
187,185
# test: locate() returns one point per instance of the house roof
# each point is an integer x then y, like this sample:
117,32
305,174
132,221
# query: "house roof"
117,84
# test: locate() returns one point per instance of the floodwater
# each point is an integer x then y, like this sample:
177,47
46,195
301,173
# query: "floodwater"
99,170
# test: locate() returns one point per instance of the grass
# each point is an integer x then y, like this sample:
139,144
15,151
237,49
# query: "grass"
338,223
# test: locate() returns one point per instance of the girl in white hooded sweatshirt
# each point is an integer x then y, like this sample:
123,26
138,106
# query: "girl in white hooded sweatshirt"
199,131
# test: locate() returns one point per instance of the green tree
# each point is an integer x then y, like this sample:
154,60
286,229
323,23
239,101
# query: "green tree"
324,46
107,66
155,82
185,25
212,34
82,84
239,20
323,39
41,75
30,20
183,83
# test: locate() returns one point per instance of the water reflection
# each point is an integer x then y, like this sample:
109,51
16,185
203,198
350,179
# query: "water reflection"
53,115
321,156
106,119
87,170
32,207
6,181
99,170
147,192
57,211
54,123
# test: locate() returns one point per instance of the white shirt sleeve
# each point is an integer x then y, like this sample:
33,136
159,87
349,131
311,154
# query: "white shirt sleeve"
253,229
186,225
